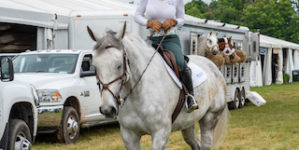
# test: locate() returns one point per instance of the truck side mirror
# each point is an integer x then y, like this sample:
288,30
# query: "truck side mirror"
90,72
7,72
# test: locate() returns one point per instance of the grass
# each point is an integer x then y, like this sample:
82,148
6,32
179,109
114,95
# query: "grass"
274,126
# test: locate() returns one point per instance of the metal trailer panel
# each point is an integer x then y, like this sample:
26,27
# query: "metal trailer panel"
79,38
235,72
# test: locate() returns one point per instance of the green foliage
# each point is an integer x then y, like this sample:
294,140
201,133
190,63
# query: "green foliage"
286,78
275,18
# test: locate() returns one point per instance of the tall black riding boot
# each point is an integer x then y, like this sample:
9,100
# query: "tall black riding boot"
187,81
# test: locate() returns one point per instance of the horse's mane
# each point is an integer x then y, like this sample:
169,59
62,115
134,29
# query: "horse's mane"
133,41
202,44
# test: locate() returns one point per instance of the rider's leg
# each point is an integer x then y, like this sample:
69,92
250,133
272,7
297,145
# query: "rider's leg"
187,80
130,138
173,44
190,138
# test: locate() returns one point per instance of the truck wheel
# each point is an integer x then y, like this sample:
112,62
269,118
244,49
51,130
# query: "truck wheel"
19,135
242,99
69,129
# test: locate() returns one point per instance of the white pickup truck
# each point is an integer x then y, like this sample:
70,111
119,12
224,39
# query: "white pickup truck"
18,113
66,85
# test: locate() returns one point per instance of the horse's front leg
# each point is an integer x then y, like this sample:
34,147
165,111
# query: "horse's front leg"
130,138
160,139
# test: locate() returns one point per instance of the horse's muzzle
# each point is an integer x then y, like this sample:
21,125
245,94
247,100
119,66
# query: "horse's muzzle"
108,111
214,51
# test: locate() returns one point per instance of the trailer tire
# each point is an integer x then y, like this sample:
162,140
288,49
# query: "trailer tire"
19,135
69,129
242,99
235,104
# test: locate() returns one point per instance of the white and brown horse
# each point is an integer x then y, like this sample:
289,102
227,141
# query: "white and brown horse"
129,68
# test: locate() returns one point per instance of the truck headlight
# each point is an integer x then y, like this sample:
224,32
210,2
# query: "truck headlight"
47,95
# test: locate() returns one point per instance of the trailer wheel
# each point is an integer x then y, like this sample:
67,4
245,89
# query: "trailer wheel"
19,135
242,98
68,131
235,104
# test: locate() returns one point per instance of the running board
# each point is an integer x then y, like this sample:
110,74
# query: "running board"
103,122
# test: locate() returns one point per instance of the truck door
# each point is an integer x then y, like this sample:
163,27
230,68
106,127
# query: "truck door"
90,91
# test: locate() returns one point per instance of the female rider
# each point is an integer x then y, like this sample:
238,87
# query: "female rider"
165,15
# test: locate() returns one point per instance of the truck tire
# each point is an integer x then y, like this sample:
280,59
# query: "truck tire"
19,136
69,129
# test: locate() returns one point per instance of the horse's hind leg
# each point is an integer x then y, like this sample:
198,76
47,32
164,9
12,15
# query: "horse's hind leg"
207,126
191,138
130,138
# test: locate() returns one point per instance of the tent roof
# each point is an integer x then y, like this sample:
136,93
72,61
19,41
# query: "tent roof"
267,41
41,12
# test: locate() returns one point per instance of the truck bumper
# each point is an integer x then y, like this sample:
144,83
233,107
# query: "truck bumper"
49,118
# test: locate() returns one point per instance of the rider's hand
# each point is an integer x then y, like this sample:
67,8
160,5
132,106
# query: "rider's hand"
154,24
168,24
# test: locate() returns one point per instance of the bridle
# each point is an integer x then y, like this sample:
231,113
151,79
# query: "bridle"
105,86
118,99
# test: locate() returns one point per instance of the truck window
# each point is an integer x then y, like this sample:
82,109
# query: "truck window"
86,62
45,63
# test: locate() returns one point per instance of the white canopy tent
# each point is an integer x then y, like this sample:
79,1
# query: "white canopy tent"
274,45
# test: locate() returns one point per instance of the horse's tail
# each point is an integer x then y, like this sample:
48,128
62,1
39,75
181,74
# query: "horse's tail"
221,128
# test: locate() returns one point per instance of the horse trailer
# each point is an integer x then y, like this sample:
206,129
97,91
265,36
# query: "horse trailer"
62,25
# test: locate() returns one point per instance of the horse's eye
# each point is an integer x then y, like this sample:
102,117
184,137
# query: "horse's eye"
118,67
210,41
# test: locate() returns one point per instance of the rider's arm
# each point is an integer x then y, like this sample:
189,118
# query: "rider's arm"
180,13
139,14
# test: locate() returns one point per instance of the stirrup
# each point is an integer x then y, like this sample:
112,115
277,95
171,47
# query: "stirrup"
194,106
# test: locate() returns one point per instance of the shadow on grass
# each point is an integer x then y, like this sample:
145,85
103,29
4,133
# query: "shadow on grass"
85,133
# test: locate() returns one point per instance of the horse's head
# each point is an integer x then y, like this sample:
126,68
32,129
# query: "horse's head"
111,65
225,46
211,43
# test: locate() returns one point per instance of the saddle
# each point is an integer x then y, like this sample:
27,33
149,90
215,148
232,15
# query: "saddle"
170,59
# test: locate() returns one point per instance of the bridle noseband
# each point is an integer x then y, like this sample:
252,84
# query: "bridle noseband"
105,86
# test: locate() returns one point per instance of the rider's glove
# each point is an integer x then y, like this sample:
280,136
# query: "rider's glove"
154,24
169,23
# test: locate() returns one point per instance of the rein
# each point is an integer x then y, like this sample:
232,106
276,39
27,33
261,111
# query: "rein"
118,99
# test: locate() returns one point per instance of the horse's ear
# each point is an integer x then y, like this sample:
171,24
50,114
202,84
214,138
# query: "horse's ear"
217,34
92,35
229,38
122,32
211,33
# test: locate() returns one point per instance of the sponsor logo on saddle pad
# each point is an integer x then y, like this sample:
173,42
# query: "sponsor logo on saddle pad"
198,75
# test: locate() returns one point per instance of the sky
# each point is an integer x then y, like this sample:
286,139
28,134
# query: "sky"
186,1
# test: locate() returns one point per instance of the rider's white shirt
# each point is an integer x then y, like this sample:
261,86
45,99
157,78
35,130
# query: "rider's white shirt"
160,10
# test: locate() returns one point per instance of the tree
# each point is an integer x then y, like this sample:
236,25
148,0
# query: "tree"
273,18
196,8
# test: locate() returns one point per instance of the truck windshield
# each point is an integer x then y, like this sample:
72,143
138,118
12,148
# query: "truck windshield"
46,63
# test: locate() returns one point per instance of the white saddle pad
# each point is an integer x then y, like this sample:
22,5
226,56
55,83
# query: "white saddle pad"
198,75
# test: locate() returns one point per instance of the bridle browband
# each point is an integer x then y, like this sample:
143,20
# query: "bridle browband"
118,99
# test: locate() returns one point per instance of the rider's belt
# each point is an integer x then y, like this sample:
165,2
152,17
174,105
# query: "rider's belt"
161,33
